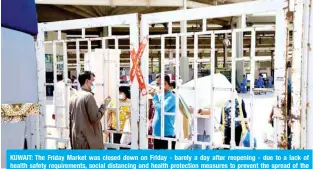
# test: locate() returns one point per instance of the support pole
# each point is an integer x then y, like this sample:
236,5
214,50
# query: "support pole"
184,61
225,51
171,63
309,144
105,33
241,23
296,75
281,55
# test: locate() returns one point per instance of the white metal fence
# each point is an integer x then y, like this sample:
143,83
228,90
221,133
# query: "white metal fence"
302,68
130,20
240,9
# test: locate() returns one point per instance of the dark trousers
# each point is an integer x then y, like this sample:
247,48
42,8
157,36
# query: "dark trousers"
227,134
163,144
117,140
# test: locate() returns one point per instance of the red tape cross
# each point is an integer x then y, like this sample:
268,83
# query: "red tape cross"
135,70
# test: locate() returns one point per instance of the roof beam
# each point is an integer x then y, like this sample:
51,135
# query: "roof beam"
74,10
96,9
151,3
193,4
86,10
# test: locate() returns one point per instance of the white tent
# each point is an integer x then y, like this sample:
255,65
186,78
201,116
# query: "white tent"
222,93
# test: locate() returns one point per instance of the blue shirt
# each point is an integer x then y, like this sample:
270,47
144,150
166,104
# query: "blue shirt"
260,82
244,81
169,121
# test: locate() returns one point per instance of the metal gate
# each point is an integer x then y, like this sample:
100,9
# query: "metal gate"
300,93
240,9
130,20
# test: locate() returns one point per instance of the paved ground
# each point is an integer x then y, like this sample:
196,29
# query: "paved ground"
262,109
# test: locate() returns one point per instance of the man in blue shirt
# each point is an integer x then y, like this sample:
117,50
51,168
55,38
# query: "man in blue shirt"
260,82
243,85
169,121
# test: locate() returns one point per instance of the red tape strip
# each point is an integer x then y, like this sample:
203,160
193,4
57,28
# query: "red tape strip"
135,70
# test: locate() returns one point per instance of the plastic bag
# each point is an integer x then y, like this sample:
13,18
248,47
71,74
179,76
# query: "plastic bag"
218,139
126,138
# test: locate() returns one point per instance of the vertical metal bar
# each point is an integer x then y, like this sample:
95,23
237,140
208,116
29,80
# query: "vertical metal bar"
117,89
183,29
195,74
291,5
170,25
110,30
241,24
41,71
252,73
143,122
55,71
89,46
304,80
77,61
65,75
162,84
233,81
105,119
169,145
88,54
56,96
134,90
212,88
309,104
67,116
281,54
178,124
59,35
225,51
296,75
171,64
204,25
116,43
83,33
111,138
57,144
103,43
